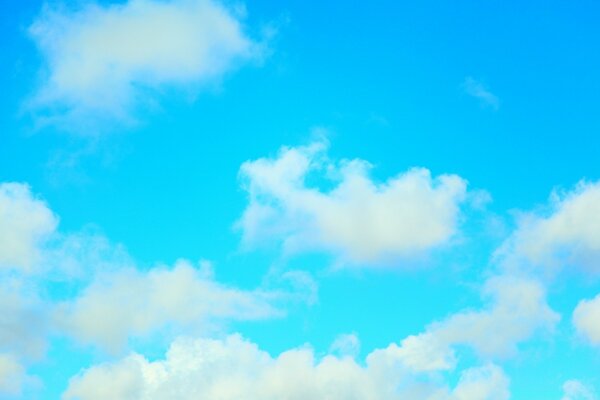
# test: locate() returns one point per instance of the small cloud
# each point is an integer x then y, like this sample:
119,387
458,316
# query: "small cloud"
477,89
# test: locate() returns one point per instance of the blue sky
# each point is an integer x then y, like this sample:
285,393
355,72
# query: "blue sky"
267,200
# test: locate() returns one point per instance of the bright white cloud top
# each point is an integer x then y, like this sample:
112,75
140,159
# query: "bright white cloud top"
357,219
105,60
234,368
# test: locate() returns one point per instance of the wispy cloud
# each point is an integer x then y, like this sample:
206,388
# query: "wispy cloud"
477,89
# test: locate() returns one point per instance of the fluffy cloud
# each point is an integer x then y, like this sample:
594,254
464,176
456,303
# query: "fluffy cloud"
24,223
586,319
576,390
129,303
234,368
517,311
105,59
568,233
358,219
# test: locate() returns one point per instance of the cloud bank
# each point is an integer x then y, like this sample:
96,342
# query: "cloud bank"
234,368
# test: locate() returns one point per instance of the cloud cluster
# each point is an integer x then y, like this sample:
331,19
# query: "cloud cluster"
358,219
234,368
104,60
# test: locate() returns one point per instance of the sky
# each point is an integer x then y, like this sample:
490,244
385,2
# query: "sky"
271,200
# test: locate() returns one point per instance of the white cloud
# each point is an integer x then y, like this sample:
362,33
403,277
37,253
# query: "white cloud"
12,376
129,303
234,368
518,309
358,219
25,222
477,89
568,234
103,60
586,319
576,390
23,322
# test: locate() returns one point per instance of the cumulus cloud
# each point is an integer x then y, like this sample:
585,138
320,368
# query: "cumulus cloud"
586,319
477,89
358,219
25,222
234,368
577,390
518,309
130,303
102,60
567,233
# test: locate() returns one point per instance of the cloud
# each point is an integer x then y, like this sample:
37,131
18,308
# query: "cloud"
518,309
234,368
576,390
25,222
488,382
478,90
586,319
12,376
23,322
358,219
102,61
130,303
566,234
346,344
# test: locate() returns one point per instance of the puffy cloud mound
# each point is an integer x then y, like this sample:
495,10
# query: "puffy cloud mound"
24,223
586,318
234,368
99,58
518,310
358,219
130,303
568,234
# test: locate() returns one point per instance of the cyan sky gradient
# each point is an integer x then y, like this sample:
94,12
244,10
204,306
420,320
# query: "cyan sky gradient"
501,94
